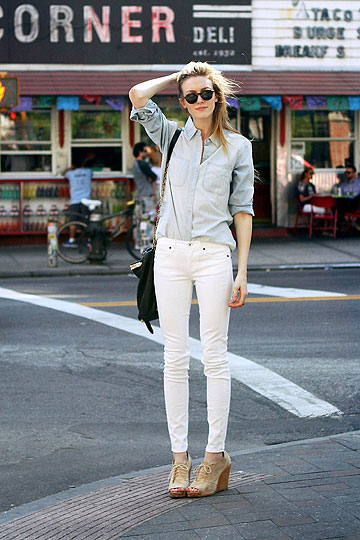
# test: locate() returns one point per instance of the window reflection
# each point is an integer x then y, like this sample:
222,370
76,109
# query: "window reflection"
97,132
25,139
321,154
96,124
309,124
26,126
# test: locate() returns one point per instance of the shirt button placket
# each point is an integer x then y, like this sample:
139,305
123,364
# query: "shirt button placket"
194,176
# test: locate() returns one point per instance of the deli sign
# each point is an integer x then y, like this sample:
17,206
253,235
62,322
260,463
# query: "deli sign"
99,32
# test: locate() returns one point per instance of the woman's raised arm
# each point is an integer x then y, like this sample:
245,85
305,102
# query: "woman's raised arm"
141,93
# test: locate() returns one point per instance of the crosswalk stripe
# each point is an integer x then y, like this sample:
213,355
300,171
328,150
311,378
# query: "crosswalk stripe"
289,292
262,380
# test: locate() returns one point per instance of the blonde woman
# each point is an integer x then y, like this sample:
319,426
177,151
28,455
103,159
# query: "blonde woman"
209,184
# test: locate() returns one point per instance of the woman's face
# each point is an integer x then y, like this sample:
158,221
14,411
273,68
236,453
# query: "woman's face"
202,108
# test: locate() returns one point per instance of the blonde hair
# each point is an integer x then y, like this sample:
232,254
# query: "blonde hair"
223,88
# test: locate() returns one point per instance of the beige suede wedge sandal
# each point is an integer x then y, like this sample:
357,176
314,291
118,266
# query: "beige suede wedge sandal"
179,478
210,478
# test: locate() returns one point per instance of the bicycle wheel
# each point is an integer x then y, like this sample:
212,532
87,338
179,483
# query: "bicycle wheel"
78,251
134,250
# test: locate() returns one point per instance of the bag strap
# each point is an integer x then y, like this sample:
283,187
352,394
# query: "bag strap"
163,183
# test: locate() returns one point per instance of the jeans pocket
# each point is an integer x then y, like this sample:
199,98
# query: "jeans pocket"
216,252
165,247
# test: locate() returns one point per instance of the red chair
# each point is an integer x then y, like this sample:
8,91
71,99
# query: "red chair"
326,221
301,215
352,217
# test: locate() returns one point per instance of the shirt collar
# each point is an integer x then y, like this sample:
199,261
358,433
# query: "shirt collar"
190,131
189,128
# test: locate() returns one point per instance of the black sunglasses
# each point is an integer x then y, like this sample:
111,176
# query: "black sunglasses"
192,97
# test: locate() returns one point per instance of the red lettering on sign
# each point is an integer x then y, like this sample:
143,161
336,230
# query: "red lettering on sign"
102,29
127,24
162,22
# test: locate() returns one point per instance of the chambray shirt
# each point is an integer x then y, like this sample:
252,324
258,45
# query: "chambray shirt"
206,194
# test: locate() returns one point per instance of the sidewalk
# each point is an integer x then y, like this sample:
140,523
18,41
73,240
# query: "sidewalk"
305,490
266,253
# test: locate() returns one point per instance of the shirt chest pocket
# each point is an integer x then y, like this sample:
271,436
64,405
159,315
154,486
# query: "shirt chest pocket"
178,170
216,179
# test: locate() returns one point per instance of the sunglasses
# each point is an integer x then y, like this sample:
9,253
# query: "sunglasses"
192,98
348,172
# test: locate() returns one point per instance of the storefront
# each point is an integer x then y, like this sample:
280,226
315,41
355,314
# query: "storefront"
296,61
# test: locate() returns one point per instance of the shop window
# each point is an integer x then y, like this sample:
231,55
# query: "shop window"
321,139
25,141
97,134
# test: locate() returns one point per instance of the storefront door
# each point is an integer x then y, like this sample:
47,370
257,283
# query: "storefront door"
256,126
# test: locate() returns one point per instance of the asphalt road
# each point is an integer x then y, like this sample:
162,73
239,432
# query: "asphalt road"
81,401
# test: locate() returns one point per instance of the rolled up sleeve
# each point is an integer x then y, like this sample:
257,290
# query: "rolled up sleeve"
157,126
242,185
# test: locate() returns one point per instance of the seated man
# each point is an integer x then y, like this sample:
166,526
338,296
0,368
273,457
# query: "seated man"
305,190
351,189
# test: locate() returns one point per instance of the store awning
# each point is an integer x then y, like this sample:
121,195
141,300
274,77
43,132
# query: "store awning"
252,83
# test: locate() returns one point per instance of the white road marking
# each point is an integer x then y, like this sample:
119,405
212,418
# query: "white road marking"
286,394
288,292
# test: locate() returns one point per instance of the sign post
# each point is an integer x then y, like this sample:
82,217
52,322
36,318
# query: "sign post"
52,243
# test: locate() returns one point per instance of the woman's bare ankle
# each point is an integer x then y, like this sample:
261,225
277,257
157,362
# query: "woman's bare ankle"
213,457
180,457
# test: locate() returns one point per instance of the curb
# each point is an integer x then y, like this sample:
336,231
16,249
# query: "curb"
50,500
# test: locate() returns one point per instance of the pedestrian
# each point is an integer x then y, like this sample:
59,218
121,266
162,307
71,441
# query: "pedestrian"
209,184
155,163
79,176
145,185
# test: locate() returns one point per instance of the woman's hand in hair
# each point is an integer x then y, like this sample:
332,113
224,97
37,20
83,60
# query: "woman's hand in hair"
239,292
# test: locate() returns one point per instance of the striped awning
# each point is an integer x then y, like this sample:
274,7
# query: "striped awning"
252,82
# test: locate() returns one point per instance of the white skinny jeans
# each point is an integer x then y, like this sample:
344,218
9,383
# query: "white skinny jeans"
178,265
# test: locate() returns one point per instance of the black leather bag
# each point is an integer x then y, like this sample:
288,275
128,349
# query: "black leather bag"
146,298
144,268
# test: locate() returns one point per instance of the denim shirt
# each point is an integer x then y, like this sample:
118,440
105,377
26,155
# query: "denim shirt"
201,197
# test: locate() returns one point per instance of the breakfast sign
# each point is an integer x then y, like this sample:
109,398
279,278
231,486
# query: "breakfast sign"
113,32
306,34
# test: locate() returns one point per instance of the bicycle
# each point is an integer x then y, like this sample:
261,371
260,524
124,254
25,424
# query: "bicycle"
91,237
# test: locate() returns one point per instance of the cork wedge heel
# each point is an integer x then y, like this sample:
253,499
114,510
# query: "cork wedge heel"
210,478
